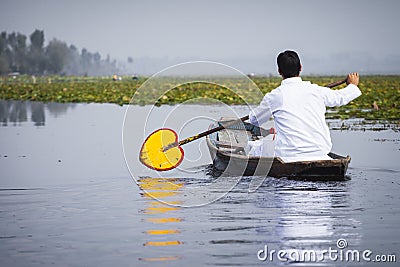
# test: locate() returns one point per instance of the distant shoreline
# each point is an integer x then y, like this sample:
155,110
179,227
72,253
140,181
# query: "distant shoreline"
381,93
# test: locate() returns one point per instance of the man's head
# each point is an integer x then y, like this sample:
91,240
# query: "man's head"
289,64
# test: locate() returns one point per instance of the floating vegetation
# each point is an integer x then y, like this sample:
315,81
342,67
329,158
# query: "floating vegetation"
363,125
379,101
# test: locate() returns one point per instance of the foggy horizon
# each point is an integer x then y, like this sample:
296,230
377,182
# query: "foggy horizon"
332,38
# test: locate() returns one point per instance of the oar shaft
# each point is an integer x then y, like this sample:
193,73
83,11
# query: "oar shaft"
213,130
331,85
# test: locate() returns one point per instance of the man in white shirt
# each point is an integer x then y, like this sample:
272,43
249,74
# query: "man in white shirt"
298,108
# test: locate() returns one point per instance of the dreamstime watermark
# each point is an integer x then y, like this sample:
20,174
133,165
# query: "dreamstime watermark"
339,253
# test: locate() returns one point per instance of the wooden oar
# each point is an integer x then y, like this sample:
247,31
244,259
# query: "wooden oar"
334,84
162,151
200,135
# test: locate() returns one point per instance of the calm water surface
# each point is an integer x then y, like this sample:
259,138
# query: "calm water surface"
68,199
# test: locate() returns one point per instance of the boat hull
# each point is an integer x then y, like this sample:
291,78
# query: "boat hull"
228,163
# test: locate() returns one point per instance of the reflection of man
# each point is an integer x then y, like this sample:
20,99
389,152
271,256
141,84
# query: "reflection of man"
298,108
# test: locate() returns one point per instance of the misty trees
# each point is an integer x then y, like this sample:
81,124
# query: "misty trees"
37,60
55,58
12,52
56,55
4,57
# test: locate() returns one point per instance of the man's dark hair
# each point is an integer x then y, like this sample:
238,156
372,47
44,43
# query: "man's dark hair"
289,64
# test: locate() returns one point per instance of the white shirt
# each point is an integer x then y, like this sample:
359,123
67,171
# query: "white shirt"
298,108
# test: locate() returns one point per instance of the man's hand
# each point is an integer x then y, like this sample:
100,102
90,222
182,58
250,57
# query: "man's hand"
353,78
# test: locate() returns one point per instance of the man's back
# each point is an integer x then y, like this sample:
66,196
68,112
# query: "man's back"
299,113
298,108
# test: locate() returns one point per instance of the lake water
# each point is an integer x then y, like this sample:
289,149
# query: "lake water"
67,197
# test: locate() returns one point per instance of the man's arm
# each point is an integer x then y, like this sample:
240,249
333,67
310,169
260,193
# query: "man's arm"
260,114
270,103
334,98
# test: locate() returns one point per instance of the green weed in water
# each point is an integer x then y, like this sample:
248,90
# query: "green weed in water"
379,100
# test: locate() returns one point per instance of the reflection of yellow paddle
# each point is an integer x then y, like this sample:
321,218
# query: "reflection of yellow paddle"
161,150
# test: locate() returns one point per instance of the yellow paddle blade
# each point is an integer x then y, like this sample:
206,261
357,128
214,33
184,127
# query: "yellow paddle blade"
152,153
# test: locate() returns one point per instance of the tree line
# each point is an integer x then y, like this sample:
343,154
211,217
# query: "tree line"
57,57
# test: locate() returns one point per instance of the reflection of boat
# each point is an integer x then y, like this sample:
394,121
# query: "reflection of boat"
227,149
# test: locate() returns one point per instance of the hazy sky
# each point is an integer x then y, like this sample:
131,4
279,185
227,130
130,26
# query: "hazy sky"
330,36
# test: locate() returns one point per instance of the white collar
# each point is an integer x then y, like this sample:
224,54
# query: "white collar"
291,80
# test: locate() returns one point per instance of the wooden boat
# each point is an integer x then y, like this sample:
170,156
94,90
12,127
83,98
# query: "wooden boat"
227,149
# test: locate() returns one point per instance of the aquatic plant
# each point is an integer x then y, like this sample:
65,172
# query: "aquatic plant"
379,101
